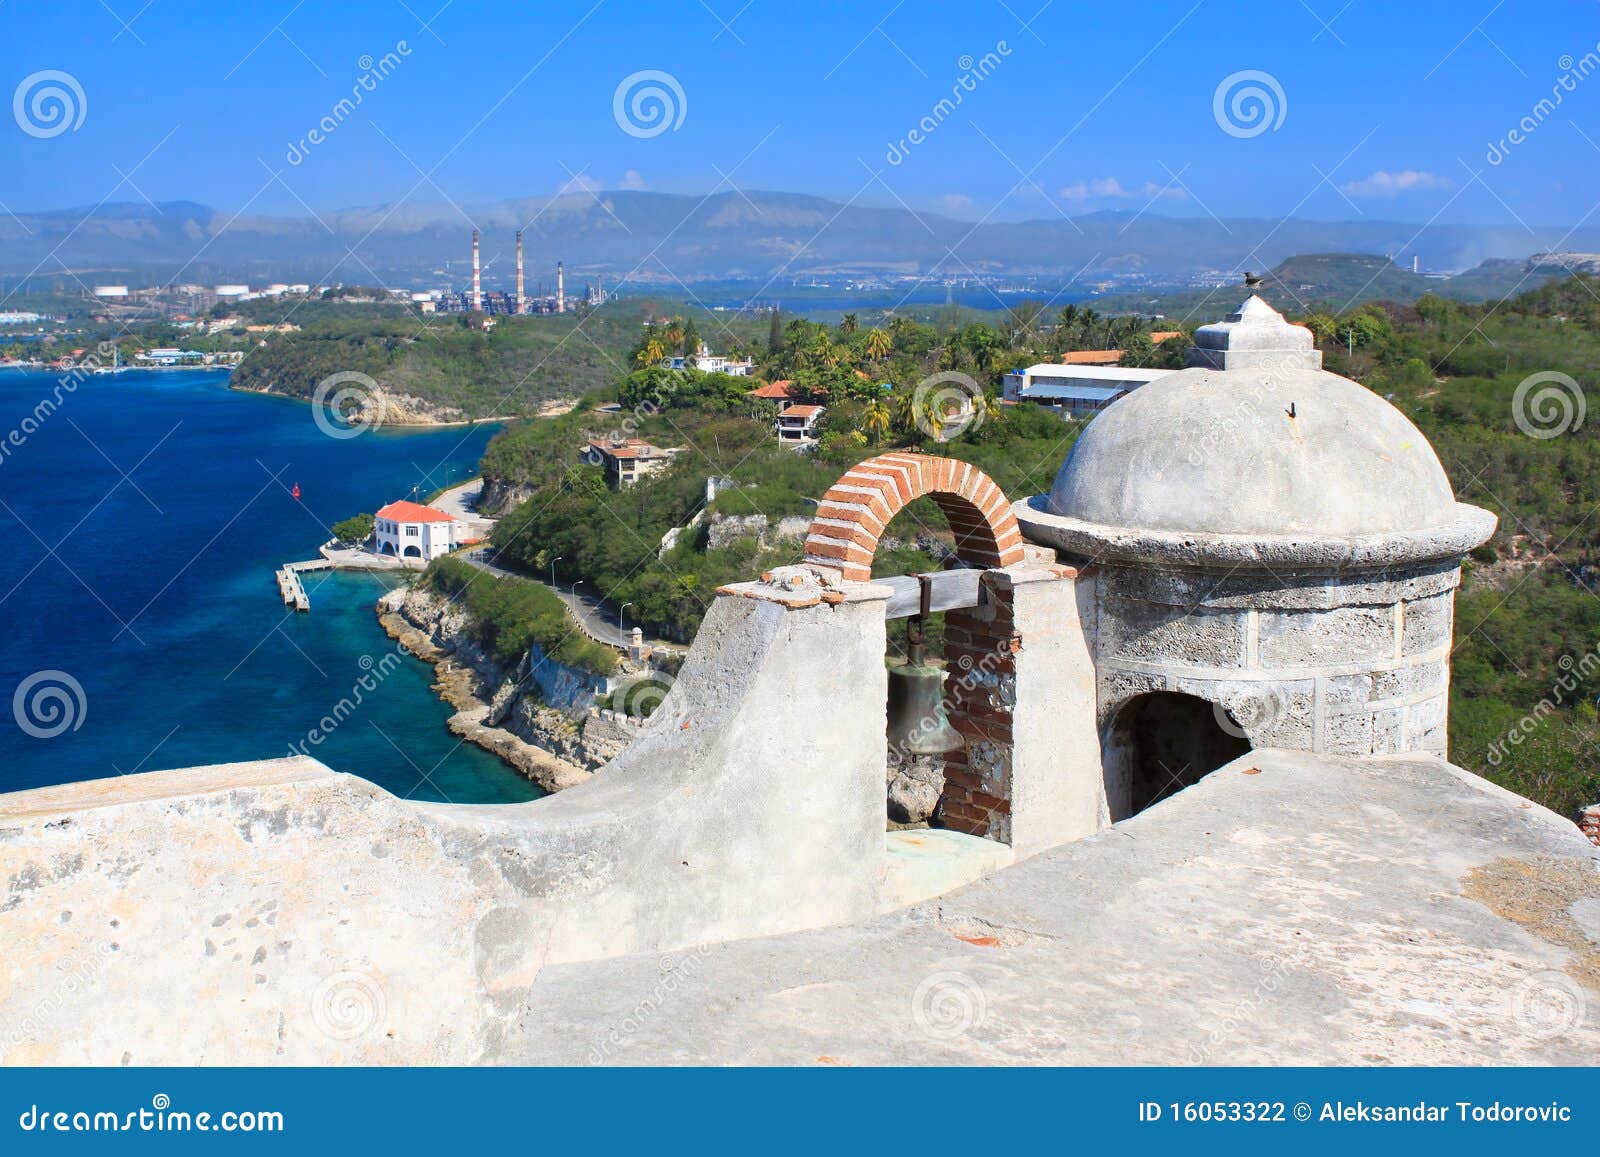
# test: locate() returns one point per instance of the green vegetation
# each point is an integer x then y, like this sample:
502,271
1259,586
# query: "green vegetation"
447,360
1337,281
611,540
357,528
1527,620
510,615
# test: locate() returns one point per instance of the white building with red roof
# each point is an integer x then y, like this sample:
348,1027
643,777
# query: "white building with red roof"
411,530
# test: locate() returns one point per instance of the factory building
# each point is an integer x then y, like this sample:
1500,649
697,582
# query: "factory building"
519,301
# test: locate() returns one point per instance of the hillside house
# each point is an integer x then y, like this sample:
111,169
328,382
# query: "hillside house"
797,425
626,460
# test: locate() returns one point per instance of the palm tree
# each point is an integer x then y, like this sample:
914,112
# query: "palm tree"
905,409
847,324
878,344
652,353
876,421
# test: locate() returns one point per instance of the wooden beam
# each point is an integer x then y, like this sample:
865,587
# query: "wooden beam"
950,590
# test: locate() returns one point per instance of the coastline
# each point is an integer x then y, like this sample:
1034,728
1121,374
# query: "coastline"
458,685
429,424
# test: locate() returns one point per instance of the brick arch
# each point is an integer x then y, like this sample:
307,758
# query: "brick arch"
853,514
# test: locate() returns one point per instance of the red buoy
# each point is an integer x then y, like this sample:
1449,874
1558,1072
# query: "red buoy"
295,493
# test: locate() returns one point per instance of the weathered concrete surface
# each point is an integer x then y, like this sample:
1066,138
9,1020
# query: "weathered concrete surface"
280,912
1311,913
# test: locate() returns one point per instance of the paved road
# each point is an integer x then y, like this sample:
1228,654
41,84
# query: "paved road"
462,501
595,619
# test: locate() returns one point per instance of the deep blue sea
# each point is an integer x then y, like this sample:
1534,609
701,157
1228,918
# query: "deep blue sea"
143,521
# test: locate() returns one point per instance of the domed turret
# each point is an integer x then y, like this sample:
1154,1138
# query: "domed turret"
1270,538
1256,455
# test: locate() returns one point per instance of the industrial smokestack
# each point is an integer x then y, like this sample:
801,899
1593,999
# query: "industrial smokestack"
477,282
1416,263
519,270
561,289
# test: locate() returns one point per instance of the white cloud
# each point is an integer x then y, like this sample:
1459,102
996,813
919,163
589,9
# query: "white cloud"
1386,184
1099,187
955,203
632,180
1111,189
1159,192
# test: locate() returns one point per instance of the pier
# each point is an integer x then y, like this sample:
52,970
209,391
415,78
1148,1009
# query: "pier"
292,588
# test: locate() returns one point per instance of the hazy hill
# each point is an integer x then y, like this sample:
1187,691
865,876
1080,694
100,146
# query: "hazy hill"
1335,282
668,235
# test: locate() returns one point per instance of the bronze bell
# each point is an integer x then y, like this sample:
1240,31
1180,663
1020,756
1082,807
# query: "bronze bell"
917,722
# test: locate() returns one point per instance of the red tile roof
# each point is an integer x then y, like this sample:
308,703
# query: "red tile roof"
1162,335
631,448
413,512
800,412
1091,358
779,389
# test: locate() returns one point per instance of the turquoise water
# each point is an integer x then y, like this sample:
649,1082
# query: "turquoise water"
143,520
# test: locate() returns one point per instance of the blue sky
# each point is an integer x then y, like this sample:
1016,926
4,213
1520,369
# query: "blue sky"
1387,110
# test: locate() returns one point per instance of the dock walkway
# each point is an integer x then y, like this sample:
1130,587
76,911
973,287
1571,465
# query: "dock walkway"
290,585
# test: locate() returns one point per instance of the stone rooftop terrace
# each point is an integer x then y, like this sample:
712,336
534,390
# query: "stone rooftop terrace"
1288,909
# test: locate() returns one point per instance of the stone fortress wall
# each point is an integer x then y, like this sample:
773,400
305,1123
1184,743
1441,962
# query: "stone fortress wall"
252,906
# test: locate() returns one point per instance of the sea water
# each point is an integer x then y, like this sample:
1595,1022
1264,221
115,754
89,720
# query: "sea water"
143,518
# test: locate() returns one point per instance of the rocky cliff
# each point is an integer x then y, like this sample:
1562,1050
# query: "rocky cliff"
499,710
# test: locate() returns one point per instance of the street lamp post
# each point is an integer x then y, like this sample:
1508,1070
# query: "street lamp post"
553,562
620,609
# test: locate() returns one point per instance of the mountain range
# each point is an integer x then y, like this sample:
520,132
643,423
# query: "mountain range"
667,236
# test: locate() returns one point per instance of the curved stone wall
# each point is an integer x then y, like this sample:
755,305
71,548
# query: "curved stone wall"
1351,664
